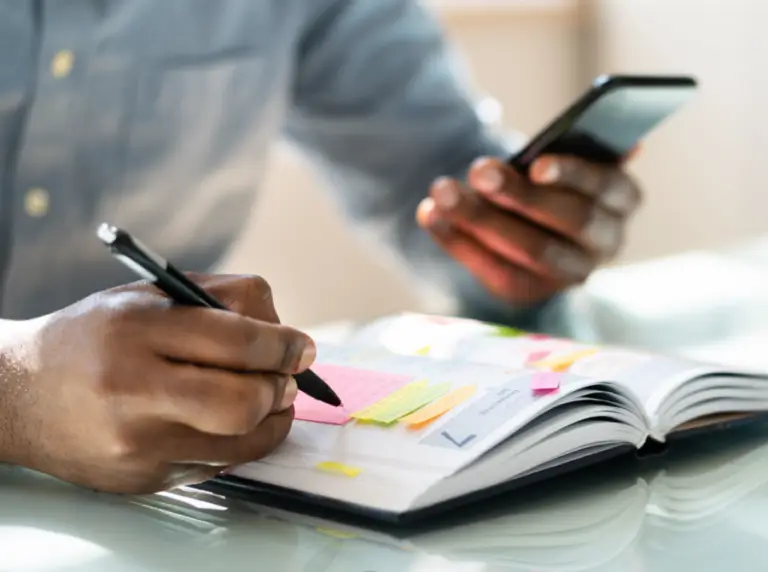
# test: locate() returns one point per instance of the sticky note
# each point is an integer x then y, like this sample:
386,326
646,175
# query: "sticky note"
507,332
537,356
437,408
402,402
545,382
338,469
357,389
538,337
562,363
340,534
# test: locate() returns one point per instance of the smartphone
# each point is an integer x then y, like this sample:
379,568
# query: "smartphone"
610,119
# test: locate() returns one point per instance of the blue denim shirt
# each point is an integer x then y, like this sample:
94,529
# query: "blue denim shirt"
156,115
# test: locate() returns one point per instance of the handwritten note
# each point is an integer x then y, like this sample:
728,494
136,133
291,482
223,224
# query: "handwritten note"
562,363
338,469
437,408
402,402
546,382
479,419
357,389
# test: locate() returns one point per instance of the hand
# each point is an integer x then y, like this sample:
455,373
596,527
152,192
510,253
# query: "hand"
525,240
126,392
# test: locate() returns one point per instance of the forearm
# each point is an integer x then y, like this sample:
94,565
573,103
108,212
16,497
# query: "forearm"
16,348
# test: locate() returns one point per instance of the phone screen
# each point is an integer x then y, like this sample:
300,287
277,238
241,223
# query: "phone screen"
605,126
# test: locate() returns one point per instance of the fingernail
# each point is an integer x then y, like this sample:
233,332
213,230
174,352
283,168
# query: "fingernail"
603,232
619,196
489,179
567,261
445,194
547,171
308,355
290,393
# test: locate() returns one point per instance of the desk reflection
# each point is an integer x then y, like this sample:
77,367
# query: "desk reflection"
705,509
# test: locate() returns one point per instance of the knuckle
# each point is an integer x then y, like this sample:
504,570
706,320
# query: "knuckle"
122,446
257,288
291,349
244,408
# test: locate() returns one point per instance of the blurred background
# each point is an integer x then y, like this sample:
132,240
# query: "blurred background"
702,171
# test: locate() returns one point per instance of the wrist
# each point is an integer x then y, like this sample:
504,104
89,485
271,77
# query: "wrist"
17,350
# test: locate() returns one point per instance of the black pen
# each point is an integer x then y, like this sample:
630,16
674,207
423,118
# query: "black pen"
182,290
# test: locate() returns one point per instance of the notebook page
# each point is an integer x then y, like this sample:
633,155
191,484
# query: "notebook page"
394,463
651,377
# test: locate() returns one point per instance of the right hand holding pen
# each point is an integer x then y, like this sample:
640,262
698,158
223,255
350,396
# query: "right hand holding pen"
126,392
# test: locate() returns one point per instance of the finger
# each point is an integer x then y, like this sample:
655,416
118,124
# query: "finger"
218,338
505,280
184,445
213,400
555,208
609,186
249,295
508,235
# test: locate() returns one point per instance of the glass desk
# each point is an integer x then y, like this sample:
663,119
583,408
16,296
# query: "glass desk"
703,508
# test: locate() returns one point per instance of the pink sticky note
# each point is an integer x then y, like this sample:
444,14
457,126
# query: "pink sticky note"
545,382
357,388
536,356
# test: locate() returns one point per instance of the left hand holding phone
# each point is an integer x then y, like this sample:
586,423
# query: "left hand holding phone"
128,392
527,239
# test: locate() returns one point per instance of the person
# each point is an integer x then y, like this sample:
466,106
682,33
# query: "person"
156,116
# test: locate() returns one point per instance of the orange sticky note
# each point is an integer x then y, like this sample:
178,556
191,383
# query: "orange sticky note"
562,363
437,408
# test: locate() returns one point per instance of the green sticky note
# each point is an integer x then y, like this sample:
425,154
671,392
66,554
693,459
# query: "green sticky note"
507,332
403,394
410,402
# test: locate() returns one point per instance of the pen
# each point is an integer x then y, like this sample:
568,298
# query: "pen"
182,290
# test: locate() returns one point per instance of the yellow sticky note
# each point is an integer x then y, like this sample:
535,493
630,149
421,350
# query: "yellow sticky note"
402,402
562,363
336,533
338,468
437,408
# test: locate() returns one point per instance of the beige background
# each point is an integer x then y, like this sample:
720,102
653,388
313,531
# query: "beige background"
702,172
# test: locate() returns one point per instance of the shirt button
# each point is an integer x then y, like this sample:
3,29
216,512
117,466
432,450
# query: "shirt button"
37,202
62,64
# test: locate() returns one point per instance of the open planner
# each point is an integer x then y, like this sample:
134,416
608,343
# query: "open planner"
439,411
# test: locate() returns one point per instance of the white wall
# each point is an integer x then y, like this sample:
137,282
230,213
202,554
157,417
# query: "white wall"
703,171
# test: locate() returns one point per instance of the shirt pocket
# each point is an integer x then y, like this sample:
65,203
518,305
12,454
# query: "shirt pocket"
186,114
197,129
